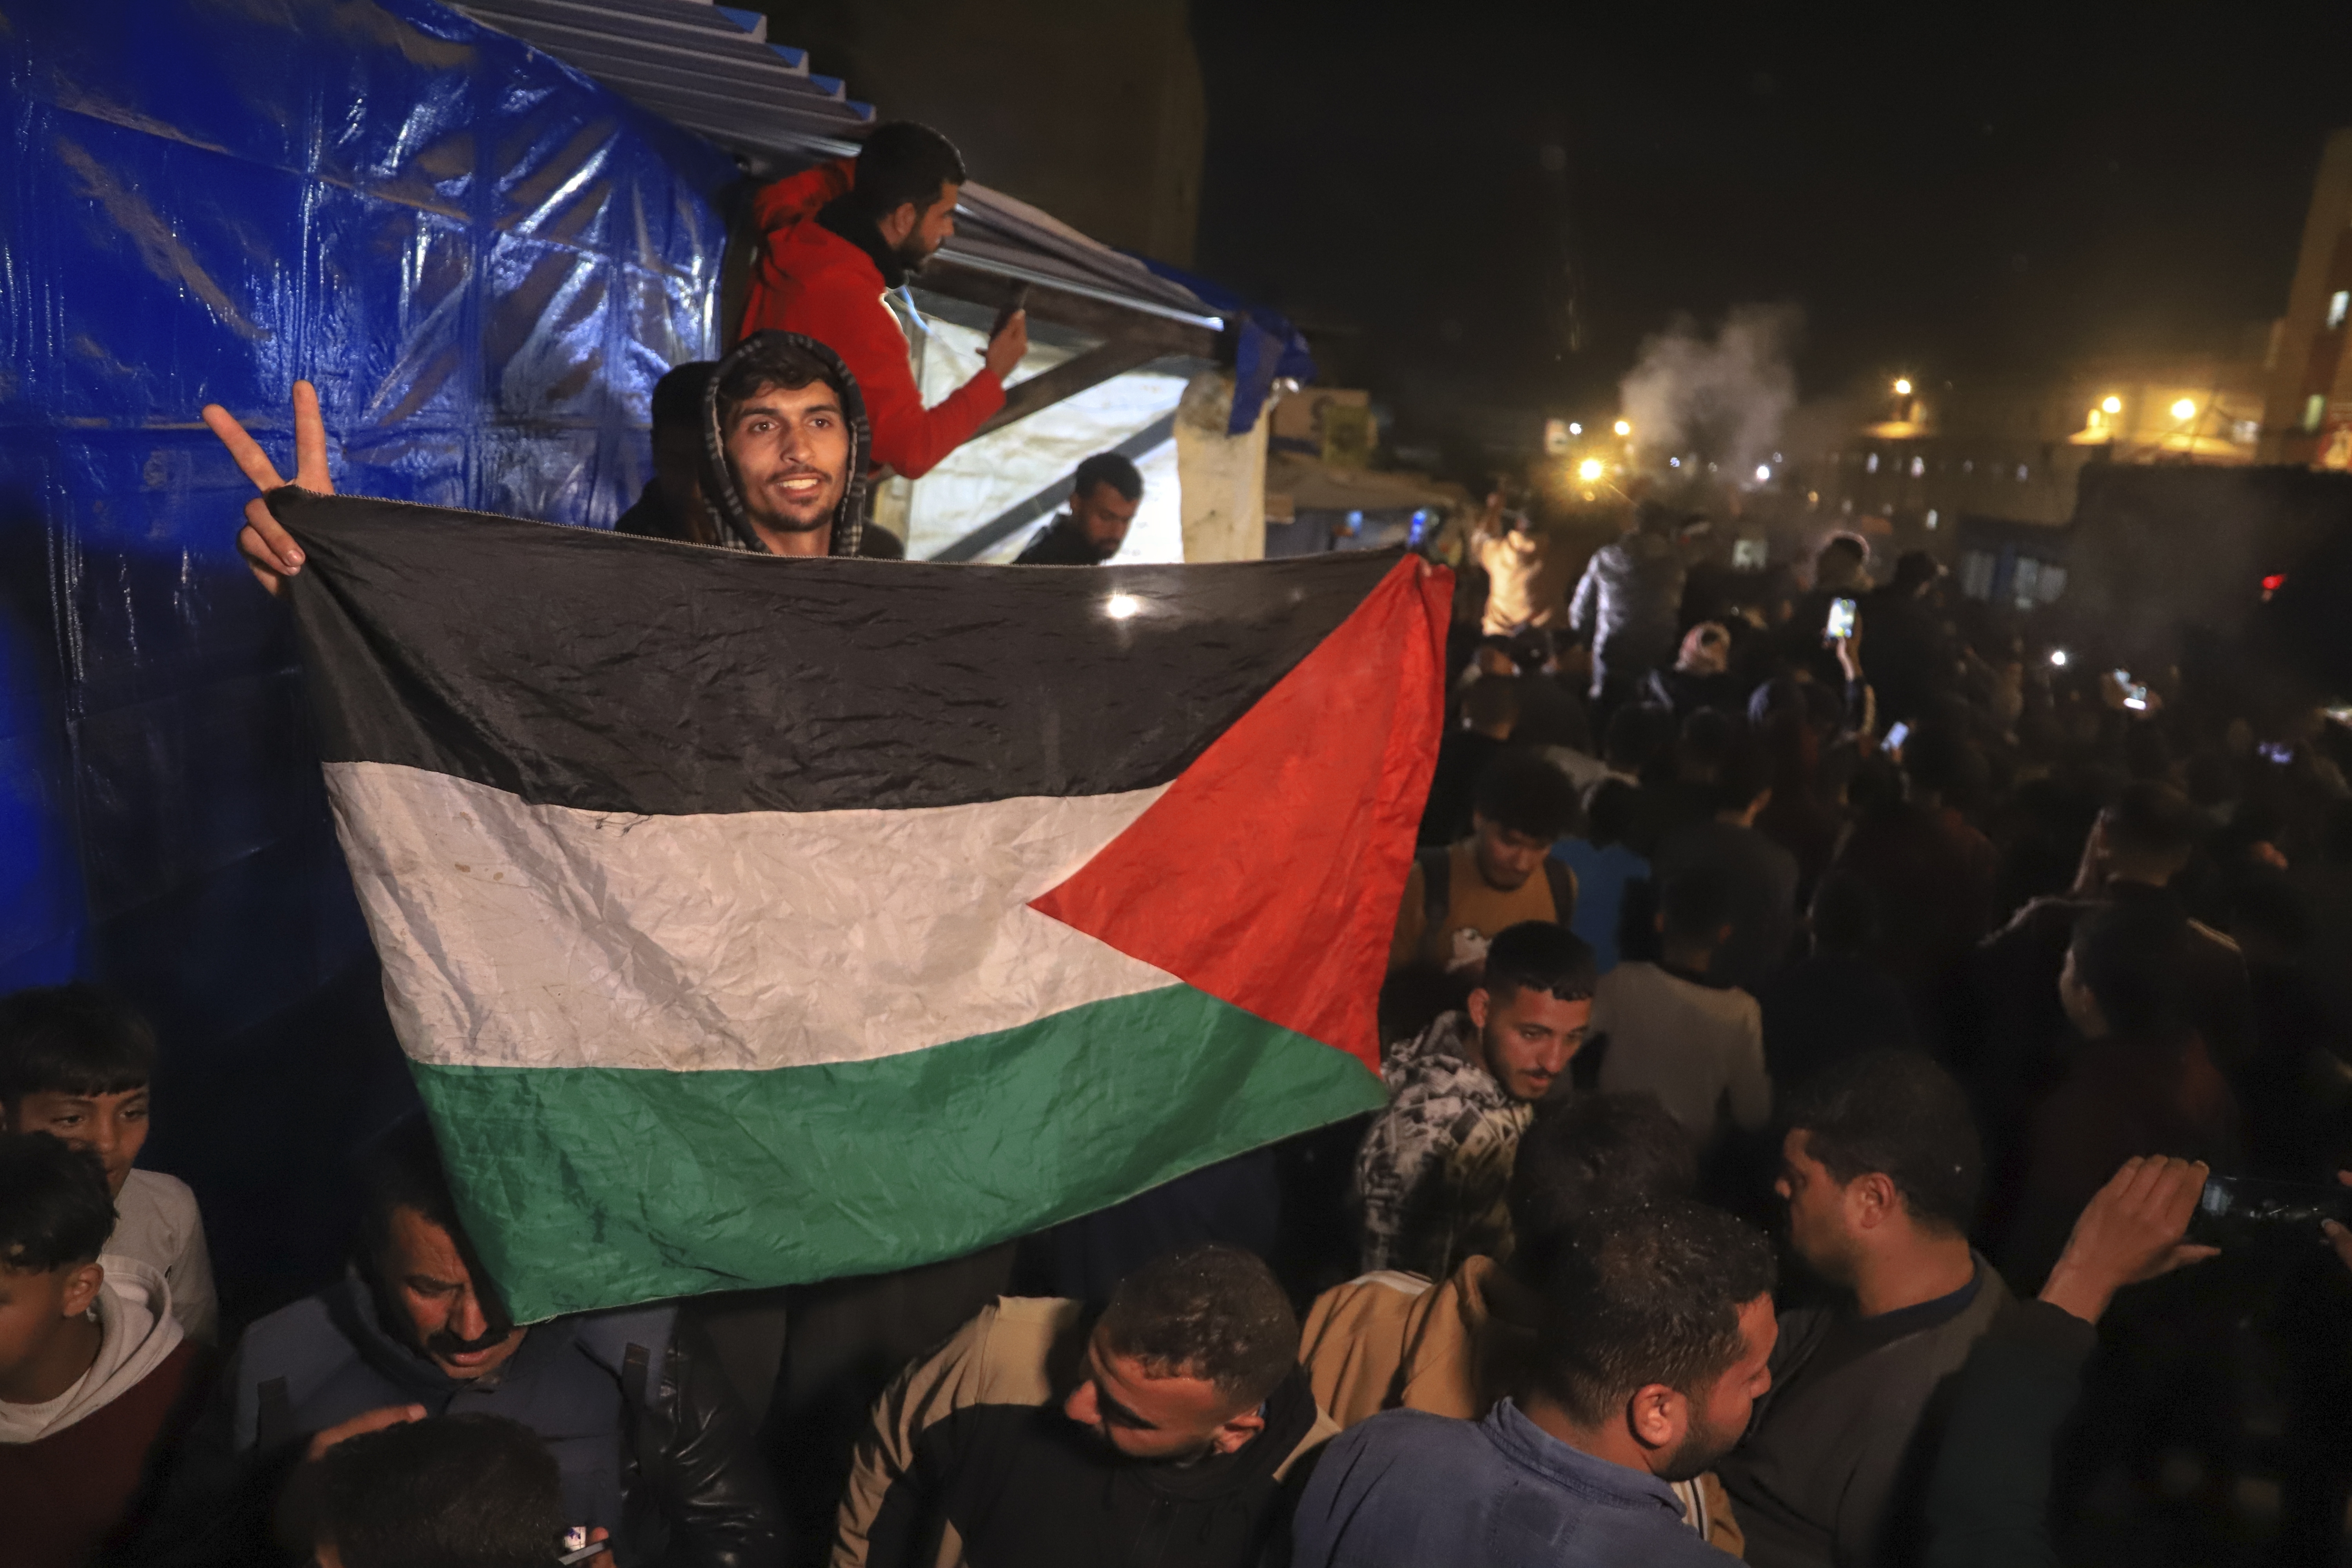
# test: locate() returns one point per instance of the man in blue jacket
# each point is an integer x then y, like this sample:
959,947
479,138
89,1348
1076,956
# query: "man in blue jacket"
1657,1328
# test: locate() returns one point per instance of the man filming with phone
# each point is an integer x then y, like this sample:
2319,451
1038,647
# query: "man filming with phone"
834,239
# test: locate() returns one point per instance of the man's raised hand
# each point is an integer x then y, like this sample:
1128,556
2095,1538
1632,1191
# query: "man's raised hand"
268,548
2131,1231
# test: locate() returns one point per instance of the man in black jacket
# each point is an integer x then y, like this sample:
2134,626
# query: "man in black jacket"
1104,496
633,1405
1166,1430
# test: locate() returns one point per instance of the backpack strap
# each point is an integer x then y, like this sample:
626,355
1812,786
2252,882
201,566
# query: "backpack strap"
1563,888
1436,864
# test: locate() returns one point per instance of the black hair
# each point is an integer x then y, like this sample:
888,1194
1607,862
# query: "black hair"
1521,793
1537,955
903,161
1897,1113
1914,569
1697,902
1843,544
1637,732
1492,699
1213,1312
457,1491
2152,821
677,396
1844,914
1939,757
1595,1152
72,1039
1612,812
2133,958
402,1169
1646,1293
54,1209
1107,469
1744,773
768,360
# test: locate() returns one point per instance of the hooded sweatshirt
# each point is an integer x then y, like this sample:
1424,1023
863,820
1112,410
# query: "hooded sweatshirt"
815,279
72,1466
724,496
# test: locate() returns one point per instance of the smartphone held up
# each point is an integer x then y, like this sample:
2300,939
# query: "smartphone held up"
1840,628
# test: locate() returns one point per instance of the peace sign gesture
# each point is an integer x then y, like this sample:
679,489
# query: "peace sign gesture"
269,549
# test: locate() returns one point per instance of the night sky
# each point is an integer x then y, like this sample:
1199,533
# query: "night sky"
1941,189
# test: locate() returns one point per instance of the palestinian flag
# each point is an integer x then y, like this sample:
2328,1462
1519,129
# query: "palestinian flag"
752,921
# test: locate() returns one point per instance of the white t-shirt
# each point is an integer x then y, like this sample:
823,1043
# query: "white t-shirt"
156,1222
1692,1045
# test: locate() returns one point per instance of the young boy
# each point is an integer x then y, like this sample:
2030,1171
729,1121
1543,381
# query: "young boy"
92,1367
1698,1048
74,1063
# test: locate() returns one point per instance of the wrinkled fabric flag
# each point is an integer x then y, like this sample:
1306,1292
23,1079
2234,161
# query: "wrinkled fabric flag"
750,920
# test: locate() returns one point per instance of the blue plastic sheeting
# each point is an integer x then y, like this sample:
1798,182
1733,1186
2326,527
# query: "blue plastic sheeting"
484,260
1268,347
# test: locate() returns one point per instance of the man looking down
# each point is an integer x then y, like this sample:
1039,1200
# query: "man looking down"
1162,1432
1104,496
784,459
834,237
1432,1175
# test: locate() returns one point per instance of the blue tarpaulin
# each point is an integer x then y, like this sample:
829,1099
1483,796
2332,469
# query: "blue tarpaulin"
484,260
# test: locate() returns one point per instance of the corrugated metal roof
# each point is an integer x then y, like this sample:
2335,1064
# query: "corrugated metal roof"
712,69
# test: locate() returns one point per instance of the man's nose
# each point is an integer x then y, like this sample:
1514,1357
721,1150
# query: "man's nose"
1080,1405
467,1319
1781,1186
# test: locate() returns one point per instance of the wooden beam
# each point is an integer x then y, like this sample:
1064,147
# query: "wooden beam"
1072,376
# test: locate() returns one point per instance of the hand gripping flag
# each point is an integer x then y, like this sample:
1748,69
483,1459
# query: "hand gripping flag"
750,920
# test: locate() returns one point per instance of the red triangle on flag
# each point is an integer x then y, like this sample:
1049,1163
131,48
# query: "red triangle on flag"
1269,873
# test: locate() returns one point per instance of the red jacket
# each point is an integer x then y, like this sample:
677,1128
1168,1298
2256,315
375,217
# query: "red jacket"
64,1497
808,279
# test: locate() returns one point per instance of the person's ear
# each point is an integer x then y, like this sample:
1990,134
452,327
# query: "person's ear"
1657,1417
1874,1198
1481,1003
81,1288
898,223
1230,1437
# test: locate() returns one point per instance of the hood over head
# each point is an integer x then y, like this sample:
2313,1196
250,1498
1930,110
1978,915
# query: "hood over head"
136,1333
724,497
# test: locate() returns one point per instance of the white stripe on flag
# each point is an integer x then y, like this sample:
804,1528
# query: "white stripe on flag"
520,935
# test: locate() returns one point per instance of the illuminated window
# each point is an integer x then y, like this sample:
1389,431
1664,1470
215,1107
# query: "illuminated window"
2314,408
1918,466
2020,473
1870,464
2338,304
1931,519
2246,432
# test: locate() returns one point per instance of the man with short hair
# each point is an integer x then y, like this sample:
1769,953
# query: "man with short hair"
93,1368
633,1405
1879,1169
1103,497
1390,1340
1456,898
457,1491
1627,601
833,240
1699,1047
1761,876
1656,1331
1164,1430
671,506
1431,1175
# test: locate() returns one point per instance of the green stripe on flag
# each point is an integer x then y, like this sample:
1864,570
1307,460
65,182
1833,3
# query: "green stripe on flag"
592,1187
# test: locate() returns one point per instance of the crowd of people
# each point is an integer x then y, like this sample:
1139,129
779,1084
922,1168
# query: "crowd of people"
1810,1028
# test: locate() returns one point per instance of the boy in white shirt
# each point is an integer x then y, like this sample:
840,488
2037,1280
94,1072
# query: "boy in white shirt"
1698,1048
76,1063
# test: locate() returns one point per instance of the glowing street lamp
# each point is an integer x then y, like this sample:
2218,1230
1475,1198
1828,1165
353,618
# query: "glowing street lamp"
1574,428
2112,405
1590,469
1622,428
2185,409
1902,387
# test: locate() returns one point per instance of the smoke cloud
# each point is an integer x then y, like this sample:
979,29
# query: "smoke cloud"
1724,399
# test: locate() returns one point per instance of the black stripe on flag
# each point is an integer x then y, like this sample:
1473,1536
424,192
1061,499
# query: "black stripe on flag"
576,667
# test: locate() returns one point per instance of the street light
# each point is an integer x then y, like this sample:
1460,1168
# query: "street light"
2113,405
1902,387
1574,428
1590,469
2185,409
1622,428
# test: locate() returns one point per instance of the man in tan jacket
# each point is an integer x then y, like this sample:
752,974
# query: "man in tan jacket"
1166,1430
1391,1340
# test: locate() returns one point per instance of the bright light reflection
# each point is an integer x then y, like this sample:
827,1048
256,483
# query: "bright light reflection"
2113,405
1589,470
1121,606
2058,657
1902,387
1574,428
1763,472
2185,409
1624,429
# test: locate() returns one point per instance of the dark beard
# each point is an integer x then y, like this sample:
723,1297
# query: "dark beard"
911,256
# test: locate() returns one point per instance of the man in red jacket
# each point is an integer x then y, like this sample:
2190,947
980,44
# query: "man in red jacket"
833,238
